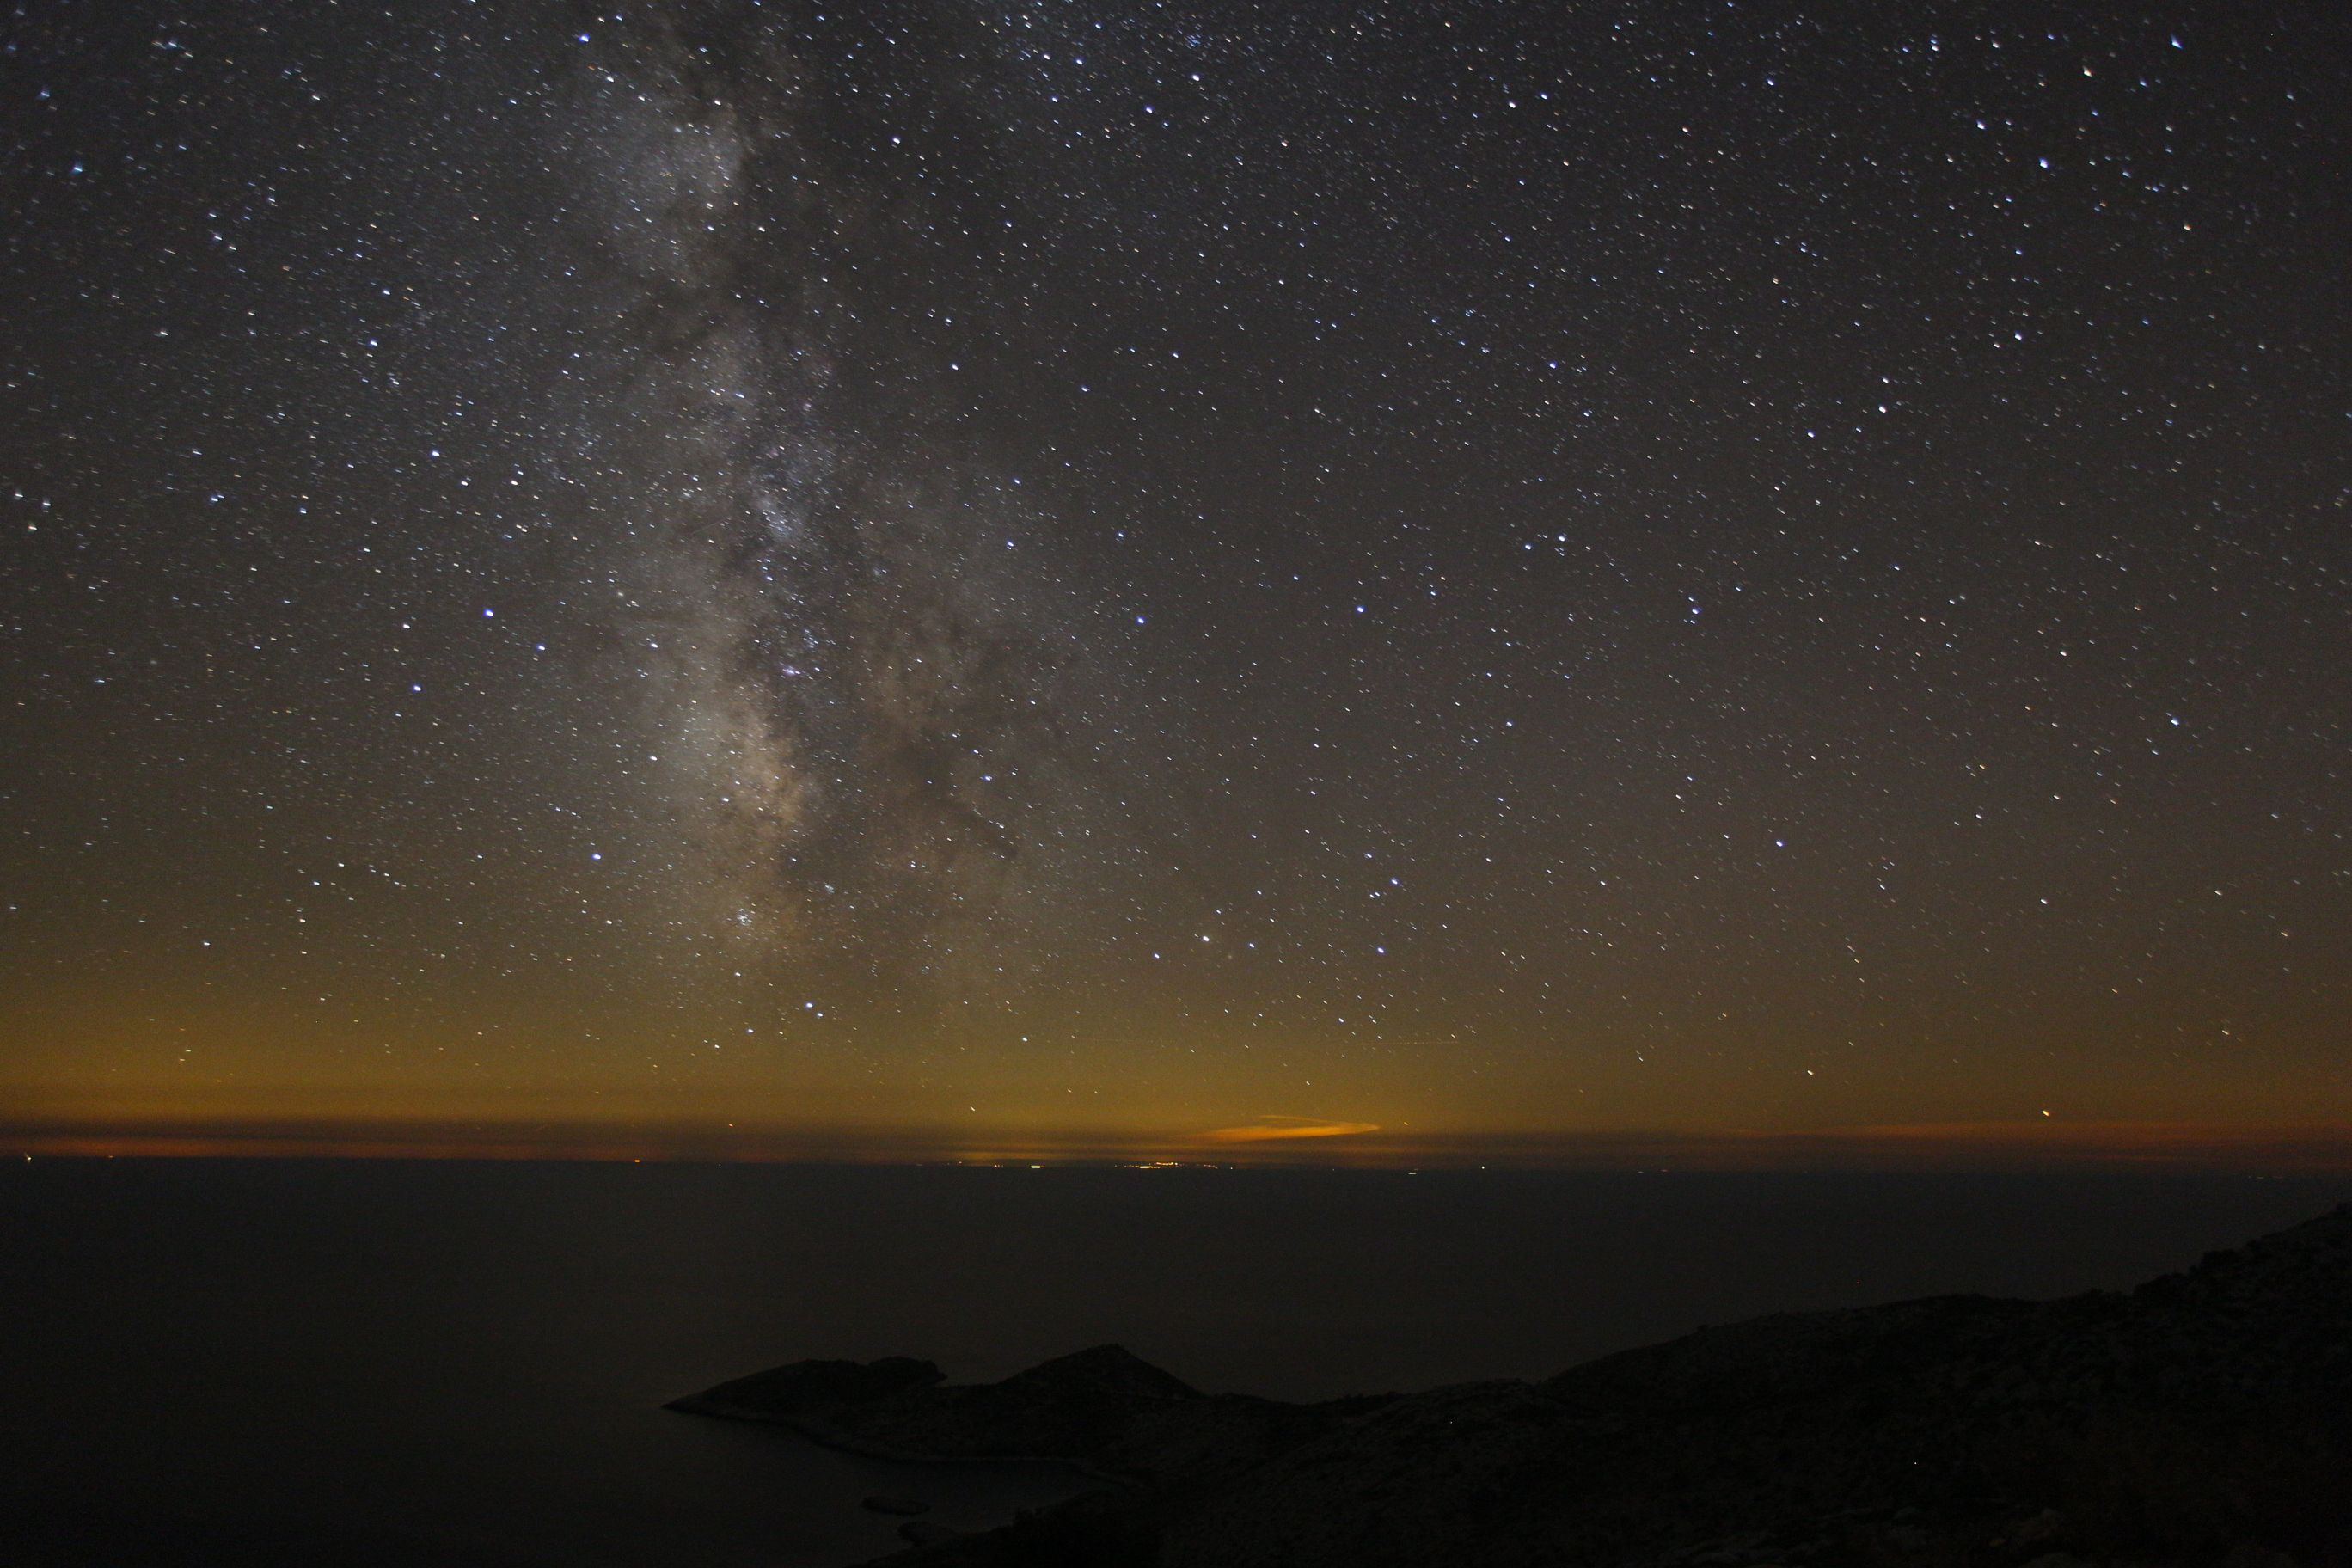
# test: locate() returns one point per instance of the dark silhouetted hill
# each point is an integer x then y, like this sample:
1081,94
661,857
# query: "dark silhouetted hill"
2204,1419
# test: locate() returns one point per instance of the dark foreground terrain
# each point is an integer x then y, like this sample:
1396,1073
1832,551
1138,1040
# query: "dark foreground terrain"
2204,1417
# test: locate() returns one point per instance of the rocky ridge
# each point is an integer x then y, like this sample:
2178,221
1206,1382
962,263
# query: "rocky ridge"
2205,1417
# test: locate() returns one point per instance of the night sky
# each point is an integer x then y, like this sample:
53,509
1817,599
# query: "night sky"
939,577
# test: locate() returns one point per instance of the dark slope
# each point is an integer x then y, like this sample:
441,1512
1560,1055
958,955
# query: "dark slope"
1104,1410
2204,1419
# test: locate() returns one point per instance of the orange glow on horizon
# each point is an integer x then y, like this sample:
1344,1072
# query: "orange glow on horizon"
1277,1129
2040,1145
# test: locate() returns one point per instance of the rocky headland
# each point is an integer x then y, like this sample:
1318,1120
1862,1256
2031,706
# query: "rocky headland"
2203,1418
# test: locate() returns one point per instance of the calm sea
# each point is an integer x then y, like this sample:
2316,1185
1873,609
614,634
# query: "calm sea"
259,1362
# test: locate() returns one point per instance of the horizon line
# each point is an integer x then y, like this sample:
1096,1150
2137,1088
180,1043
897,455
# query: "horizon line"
2303,1148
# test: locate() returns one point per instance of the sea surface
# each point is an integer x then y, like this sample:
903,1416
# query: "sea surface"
295,1362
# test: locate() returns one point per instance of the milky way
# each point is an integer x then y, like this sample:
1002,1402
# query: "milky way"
865,677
